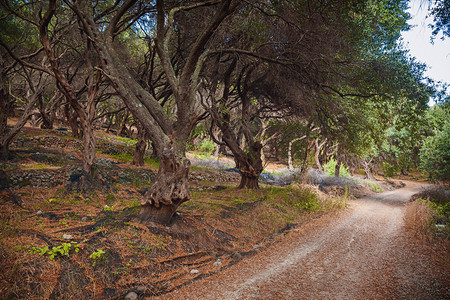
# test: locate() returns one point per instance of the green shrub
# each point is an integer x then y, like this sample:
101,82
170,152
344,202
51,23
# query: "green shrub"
62,250
389,169
374,187
435,154
207,146
98,257
330,166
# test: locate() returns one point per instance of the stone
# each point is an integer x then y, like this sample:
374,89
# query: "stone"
84,219
67,236
194,271
141,289
217,263
131,296
39,212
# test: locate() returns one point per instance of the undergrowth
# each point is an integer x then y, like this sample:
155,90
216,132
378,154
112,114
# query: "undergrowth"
428,215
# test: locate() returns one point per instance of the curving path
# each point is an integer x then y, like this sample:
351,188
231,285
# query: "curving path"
363,253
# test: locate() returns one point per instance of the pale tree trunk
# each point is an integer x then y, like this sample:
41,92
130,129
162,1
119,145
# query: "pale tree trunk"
318,148
216,136
89,149
290,163
304,167
86,114
368,169
48,112
265,140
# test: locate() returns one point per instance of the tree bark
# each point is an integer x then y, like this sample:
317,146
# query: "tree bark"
169,191
5,104
317,154
337,168
89,149
368,169
141,146
250,165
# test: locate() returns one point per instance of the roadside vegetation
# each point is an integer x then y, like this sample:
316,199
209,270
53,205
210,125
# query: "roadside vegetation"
428,214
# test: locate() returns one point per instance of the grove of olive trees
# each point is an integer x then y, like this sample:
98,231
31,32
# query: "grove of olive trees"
323,79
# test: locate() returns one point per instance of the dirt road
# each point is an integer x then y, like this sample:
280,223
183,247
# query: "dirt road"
363,253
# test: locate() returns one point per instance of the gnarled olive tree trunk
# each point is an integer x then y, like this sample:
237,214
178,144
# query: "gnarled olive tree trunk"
250,165
169,191
367,169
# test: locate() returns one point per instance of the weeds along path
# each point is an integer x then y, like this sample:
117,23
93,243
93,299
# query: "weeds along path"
363,253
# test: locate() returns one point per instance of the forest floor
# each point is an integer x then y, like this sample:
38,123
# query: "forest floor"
58,241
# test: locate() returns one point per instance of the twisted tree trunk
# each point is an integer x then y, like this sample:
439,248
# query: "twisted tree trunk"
368,169
169,191
317,153
250,165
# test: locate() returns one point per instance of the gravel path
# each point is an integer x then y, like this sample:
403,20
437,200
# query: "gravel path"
363,253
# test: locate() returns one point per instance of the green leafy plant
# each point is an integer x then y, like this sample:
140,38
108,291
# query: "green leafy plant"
207,146
435,154
97,257
108,208
375,187
329,168
61,250
389,169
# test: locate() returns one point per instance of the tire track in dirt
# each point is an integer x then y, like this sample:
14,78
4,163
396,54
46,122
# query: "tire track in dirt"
360,254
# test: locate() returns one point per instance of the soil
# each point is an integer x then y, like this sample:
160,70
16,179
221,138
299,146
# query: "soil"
363,253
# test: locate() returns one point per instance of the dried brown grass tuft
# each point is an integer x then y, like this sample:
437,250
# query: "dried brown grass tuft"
418,219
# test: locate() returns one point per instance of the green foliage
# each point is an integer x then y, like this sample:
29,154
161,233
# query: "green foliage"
300,199
435,154
374,187
61,250
389,169
207,146
36,167
108,208
330,166
134,203
162,242
122,156
152,161
98,257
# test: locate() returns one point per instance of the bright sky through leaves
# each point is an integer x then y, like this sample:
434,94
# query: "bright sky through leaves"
436,56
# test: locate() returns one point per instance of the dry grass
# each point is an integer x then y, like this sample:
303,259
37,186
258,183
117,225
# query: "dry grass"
419,218
428,215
